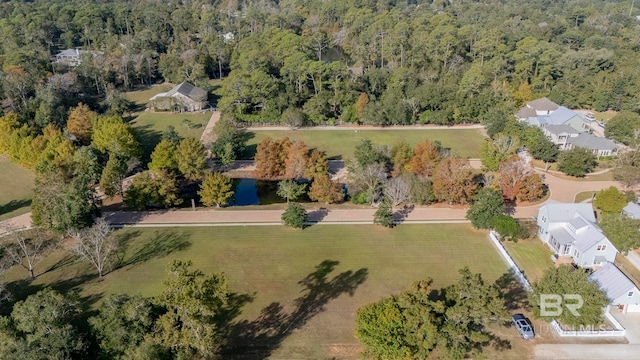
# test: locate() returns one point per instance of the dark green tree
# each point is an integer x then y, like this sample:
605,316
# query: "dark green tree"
122,324
191,301
506,226
577,162
567,280
384,215
40,327
295,216
487,204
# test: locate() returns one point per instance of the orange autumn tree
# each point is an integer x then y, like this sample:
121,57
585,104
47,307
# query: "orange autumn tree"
453,181
271,157
426,157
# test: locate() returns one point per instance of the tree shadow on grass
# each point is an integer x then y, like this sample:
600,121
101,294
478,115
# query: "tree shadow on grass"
512,291
162,243
257,339
67,260
149,138
14,205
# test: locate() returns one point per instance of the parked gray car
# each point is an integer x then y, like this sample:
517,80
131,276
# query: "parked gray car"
523,325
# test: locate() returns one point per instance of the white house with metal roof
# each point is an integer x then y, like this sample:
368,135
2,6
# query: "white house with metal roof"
570,230
620,290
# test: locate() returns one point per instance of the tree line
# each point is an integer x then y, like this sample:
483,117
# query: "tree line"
315,62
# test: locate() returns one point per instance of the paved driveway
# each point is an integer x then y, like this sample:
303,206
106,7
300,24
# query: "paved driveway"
631,323
586,352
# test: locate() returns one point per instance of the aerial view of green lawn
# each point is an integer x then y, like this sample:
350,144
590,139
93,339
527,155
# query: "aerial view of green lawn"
340,144
531,255
302,287
16,187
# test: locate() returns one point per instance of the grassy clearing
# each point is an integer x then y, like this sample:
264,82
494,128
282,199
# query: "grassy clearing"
268,268
16,189
585,195
141,97
150,126
340,144
531,256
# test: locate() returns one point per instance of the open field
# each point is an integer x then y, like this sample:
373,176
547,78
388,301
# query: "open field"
340,144
308,284
531,255
16,187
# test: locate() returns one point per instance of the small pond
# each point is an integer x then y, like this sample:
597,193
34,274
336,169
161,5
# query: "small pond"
255,192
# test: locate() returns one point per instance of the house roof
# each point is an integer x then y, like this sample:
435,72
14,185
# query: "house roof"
563,212
561,129
75,53
632,209
612,281
591,142
187,89
583,238
542,104
561,115
526,112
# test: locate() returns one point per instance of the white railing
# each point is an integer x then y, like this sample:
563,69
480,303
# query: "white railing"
512,264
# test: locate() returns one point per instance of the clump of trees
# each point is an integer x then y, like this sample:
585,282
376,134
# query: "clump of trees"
182,322
295,216
413,324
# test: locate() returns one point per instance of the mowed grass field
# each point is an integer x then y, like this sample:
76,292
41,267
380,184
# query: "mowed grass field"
531,255
16,189
307,284
340,144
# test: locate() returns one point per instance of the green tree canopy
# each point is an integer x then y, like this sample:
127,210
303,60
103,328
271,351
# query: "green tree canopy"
610,200
295,216
622,230
577,162
191,158
567,280
163,157
41,327
216,189
487,204
623,127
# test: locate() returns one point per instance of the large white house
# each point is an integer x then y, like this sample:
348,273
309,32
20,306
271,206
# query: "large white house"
620,290
570,230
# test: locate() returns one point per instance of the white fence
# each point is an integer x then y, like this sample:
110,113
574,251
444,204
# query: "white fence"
585,332
512,264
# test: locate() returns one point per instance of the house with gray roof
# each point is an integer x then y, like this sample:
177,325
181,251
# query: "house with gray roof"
542,106
183,97
570,230
620,290
632,210
560,134
599,146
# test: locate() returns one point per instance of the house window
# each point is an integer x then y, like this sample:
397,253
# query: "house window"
601,247
630,294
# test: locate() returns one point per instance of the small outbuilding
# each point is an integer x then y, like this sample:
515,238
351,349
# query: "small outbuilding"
632,210
620,290
185,97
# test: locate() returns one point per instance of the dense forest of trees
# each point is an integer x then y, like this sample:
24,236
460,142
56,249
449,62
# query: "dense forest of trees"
380,62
